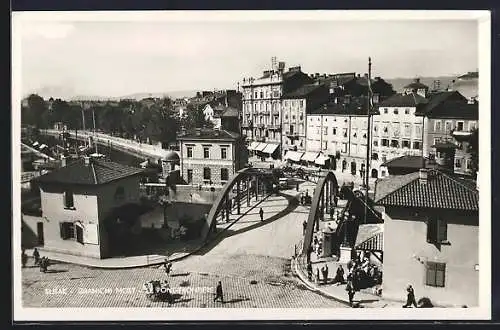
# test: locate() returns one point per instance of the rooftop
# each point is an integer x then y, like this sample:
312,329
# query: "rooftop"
442,191
95,173
302,91
416,84
209,134
437,99
404,100
355,106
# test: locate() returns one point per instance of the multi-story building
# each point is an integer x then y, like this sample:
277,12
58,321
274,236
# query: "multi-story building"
450,118
211,156
81,204
431,237
262,105
338,131
397,130
295,106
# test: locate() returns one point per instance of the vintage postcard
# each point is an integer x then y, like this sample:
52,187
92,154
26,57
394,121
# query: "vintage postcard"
260,165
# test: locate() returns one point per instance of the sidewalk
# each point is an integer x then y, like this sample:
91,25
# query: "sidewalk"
339,293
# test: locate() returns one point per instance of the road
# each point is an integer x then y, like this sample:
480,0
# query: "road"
251,260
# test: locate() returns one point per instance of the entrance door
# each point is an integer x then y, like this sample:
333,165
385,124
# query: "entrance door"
79,234
353,168
190,176
374,174
39,232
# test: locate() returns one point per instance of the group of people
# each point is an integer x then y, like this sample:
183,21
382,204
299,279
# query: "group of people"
42,262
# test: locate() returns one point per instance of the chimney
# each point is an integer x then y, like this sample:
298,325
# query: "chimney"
423,175
86,160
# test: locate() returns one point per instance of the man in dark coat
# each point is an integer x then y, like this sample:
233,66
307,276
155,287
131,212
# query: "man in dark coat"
304,227
410,299
24,258
261,213
36,256
219,293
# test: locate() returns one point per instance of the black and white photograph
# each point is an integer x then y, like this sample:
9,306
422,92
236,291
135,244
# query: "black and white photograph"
251,165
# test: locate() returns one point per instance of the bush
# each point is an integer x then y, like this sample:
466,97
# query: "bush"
425,303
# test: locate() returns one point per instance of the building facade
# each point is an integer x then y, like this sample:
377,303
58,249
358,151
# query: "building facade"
262,118
77,202
431,237
211,156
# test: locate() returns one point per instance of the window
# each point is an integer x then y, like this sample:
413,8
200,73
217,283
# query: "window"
223,153
460,126
374,156
437,126
206,152
344,147
384,160
436,230
224,174
458,163
375,143
207,174
406,144
468,164
334,131
69,202
407,111
396,111
344,132
67,230
375,128
447,126
120,194
189,152
385,142
325,131
435,274
416,145
386,129
386,110
472,126
325,145
190,175
261,95
395,143
407,130
437,140
418,130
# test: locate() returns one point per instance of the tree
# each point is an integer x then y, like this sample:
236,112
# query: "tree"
473,149
196,118
36,113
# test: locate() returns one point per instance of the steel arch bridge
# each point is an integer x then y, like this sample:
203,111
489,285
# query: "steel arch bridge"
249,183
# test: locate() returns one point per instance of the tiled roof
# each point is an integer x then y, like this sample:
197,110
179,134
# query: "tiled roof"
230,112
385,186
356,106
403,100
302,91
370,237
406,161
97,172
455,110
441,191
209,134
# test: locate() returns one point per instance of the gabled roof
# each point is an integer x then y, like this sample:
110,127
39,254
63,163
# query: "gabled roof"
406,161
209,134
302,91
455,110
95,173
357,106
438,99
442,191
403,100
230,112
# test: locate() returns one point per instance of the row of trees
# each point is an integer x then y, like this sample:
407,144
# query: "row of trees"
149,119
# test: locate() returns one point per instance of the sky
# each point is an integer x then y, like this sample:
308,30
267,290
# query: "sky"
120,58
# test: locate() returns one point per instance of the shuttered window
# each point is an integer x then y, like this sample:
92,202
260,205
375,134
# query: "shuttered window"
67,230
437,230
435,274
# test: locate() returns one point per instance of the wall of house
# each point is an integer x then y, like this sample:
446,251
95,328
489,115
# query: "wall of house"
197,163
406,250
53,212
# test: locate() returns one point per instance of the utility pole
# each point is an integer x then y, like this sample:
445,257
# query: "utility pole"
368,145
83,127
93,119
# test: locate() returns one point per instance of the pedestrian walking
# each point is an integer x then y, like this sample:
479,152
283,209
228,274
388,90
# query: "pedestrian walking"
350,290
410,298
261,213
325,274
317,275
219,293
36,256
24,258
309,271
304,227
339,277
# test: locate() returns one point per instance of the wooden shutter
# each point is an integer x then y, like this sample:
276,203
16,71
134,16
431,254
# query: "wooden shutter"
442,230
431,230
430,275
440,274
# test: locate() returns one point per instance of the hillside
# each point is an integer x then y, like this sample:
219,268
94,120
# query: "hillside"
399,83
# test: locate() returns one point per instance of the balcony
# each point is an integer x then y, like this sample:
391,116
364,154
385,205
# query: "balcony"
274,127
292,135
461,135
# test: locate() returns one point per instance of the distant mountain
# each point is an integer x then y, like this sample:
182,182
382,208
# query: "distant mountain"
58,92
399,83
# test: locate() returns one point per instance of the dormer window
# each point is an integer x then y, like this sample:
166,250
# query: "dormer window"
69,202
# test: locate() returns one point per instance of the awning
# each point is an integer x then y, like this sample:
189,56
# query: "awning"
310,156
321,159
270,148
35,144
253,145
43,146
261,147
294,155
79,224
